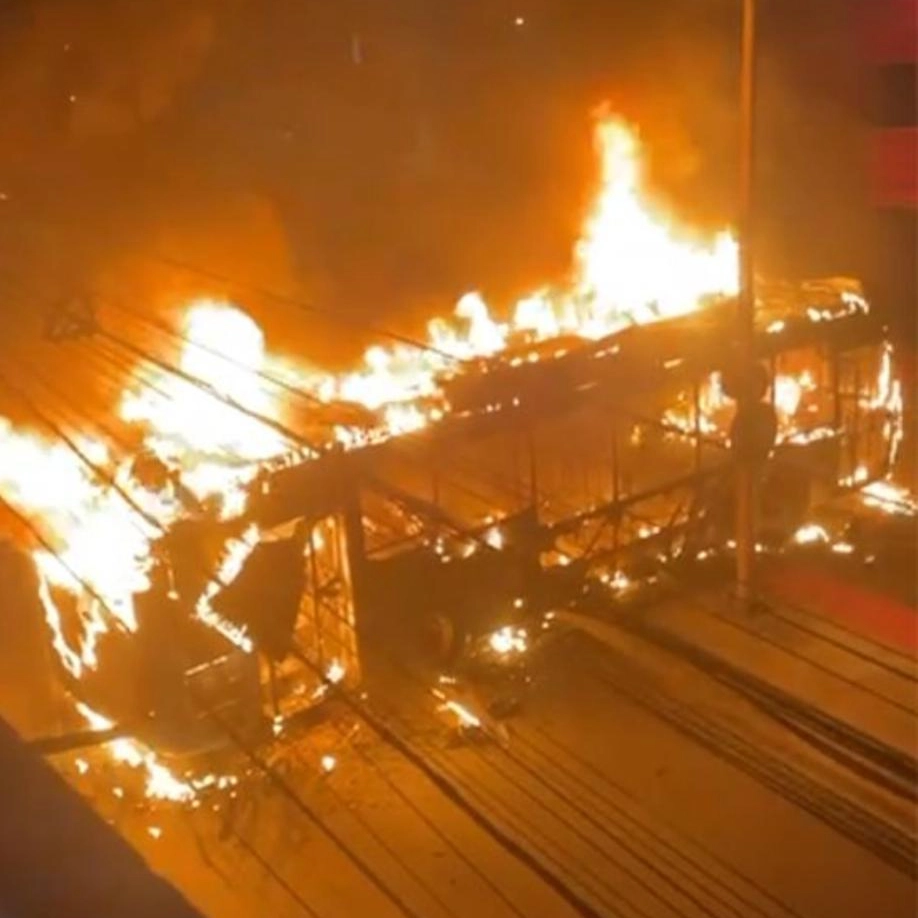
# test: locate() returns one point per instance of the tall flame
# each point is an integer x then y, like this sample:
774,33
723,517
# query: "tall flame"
632,266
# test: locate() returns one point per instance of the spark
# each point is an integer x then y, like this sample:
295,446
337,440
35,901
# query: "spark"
810,533
617,581
335,672
509,640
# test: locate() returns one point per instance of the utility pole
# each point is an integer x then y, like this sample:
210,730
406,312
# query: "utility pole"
745,471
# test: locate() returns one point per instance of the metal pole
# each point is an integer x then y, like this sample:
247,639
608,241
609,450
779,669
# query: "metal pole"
533,472
745,473
272,683
616,487
435,475
317,619
696,403
835,368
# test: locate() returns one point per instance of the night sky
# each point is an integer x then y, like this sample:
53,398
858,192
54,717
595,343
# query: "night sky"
383,157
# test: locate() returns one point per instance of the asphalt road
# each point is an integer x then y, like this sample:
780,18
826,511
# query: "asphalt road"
637,781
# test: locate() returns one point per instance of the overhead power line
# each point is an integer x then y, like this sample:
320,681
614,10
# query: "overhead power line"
208,389
290,435
75,448
334,316
166,329
566,892
284,787
275,875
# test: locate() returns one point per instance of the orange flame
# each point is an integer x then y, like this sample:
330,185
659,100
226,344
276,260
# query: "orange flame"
631,267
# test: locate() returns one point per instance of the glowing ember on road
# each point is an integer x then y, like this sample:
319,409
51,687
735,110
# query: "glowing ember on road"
466,718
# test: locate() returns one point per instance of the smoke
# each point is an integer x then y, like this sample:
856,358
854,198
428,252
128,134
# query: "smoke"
78,81
96,163
381,159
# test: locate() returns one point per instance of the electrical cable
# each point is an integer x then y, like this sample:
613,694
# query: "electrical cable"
262,375
644,861
275,875
81,455
393,786
769,609
290,794
615,839
95,470
822,667
778,703
303,306
390,851
885,842
604,800
207,389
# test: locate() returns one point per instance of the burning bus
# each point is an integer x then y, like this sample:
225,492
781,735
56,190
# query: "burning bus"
252,552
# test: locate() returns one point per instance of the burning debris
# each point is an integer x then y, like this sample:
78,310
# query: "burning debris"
508,641
890,498
160,782
811,533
